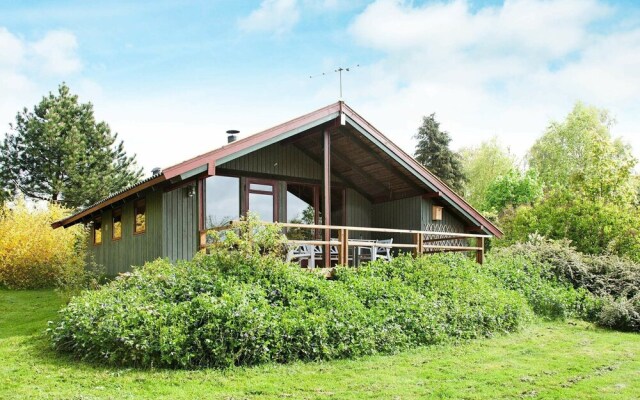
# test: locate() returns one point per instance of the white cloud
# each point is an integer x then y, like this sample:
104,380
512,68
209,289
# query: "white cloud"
56,53
504,70
273,16
26,66
12,49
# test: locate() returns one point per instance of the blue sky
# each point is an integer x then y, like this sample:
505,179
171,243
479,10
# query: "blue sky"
171,76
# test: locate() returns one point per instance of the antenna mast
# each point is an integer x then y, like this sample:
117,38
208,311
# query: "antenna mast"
339,71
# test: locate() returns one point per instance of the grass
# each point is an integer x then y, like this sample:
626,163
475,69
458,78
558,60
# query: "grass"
556,360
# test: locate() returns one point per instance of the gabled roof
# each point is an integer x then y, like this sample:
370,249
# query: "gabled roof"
335,115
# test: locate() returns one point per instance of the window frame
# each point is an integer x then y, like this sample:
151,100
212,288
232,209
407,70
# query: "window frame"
116,212
136,206
262,182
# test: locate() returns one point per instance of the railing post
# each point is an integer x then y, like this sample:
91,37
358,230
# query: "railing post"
343,249
480,252
203,240
418,241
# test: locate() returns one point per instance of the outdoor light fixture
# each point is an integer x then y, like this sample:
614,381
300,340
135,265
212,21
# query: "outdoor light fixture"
436,213
190,191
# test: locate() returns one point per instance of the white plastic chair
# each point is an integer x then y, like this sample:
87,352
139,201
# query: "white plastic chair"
298,253
384,252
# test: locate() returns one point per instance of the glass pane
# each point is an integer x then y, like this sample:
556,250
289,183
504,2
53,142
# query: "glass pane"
264,188
300,210
300,204
223,200
261,204
117,225
140,218
97,233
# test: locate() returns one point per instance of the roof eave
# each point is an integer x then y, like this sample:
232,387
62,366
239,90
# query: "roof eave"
75,218
483,223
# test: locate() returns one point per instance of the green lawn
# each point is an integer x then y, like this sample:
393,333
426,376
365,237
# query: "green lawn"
549,360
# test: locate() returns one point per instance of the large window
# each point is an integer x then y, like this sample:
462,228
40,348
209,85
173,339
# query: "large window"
222,200
302,202
140,216
117,224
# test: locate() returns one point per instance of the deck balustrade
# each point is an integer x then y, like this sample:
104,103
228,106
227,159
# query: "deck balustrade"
423,242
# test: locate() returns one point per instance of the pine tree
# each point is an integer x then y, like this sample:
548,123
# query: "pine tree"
59,153
433,152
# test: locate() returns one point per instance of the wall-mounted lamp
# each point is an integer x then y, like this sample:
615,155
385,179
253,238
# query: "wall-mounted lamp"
190,191
436,213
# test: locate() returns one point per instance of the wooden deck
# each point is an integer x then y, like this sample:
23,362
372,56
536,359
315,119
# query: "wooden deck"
423,242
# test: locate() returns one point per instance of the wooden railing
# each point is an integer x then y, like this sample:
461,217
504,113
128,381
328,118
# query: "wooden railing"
422,241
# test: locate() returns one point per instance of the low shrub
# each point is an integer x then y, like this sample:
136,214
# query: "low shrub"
237,308
601,288
34,255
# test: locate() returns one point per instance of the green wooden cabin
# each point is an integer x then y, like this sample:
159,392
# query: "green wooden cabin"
282,174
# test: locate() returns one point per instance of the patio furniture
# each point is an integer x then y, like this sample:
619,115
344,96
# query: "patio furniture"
300,252
379,249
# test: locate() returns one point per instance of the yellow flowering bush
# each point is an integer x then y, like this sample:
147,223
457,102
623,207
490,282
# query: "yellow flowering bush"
34,255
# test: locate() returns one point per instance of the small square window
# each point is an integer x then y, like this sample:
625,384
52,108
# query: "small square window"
97,232
117,224
140,216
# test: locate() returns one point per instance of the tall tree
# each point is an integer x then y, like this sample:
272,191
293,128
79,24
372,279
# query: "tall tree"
590,197
434,153
482,165
5,192
580,154
58,152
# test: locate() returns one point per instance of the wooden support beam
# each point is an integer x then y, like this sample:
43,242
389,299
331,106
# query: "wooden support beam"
431,195
338,155
338,175
327,195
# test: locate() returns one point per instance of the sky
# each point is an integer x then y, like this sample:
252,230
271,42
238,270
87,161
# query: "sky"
170,77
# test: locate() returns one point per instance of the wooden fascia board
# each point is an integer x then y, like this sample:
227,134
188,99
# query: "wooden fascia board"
196,171
430,180
256,141
77,217
221,159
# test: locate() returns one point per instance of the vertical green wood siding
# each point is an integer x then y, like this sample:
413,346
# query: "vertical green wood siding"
449,223
180,215
397,214
358,213
279,160
119,255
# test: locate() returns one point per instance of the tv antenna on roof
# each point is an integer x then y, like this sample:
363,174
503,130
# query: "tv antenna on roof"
339,70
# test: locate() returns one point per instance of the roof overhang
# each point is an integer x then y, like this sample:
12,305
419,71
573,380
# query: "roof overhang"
132,190
334,115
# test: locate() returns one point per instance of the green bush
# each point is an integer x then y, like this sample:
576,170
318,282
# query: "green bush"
233,308
600,288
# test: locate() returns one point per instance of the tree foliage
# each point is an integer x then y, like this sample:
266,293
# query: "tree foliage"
593,226
513,189
58,152
591,193
434,153
580,154
482,165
